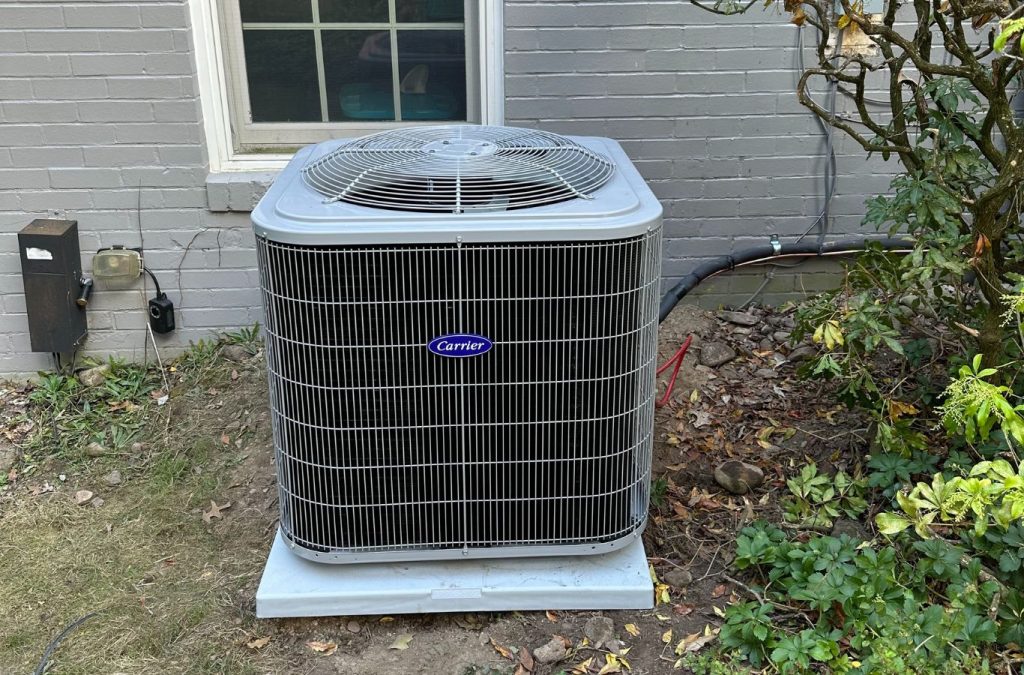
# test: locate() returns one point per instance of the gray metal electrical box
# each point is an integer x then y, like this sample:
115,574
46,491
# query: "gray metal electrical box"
51,266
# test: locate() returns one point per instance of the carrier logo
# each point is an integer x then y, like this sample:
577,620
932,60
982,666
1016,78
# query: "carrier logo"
460,345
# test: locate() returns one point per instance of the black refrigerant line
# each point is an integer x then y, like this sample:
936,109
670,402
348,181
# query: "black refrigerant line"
769,252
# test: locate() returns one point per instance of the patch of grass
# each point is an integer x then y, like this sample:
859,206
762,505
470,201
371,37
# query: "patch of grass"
69,415
169,589
171,466
167,470
248,337
199,357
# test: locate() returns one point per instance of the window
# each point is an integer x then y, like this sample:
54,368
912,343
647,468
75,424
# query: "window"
290,72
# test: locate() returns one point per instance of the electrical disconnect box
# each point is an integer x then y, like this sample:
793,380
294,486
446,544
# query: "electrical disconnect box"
55,292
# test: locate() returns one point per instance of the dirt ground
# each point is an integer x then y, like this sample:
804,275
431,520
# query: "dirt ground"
169,555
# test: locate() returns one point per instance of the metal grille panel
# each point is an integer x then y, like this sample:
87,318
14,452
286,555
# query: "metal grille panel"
385,449
458,168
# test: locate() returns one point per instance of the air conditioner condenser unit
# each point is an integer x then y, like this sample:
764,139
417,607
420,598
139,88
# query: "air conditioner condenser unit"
461,328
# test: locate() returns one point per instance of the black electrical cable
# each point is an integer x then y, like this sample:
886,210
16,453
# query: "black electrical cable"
766,253
50,648
155,282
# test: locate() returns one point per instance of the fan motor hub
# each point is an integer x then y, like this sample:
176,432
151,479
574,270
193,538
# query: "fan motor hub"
460,148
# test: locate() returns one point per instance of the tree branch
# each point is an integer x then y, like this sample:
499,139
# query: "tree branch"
833,120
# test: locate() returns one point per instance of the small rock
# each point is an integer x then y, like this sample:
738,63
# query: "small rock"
98,502
94,377
678,577
766,345
83,497
113,478
802,353
781,336
766,373
740,318
484,638
614,645
236,353
599,630
715,354
851,528
738,477
551,652
741,331
138,447
9,456
353,626
94,449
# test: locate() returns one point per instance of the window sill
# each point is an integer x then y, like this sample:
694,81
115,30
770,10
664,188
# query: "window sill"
237,191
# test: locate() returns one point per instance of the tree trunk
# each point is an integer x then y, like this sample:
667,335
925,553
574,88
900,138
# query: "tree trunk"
988,263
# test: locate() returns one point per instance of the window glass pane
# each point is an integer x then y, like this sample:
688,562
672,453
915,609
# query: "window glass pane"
275,11
281,68
432,67
429,11
352,11
357,72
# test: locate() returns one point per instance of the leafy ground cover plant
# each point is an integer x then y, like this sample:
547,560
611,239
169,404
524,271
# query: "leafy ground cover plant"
816,500
73,416
843,605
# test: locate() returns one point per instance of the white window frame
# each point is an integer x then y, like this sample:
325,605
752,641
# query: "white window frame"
215,87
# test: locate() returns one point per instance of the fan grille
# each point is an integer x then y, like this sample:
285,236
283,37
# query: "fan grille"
458,168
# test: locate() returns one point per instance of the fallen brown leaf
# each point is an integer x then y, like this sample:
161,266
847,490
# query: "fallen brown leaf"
552,617
719,591
501,649
696,641
225,439
325,648
258,643
37,490
526,661
215,511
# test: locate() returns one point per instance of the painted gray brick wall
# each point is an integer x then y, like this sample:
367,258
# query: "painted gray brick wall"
100,122
706,108
100,115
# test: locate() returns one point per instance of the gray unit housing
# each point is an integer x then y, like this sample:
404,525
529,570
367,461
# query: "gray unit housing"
387,450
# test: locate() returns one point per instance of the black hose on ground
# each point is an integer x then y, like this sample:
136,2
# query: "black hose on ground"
767,252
